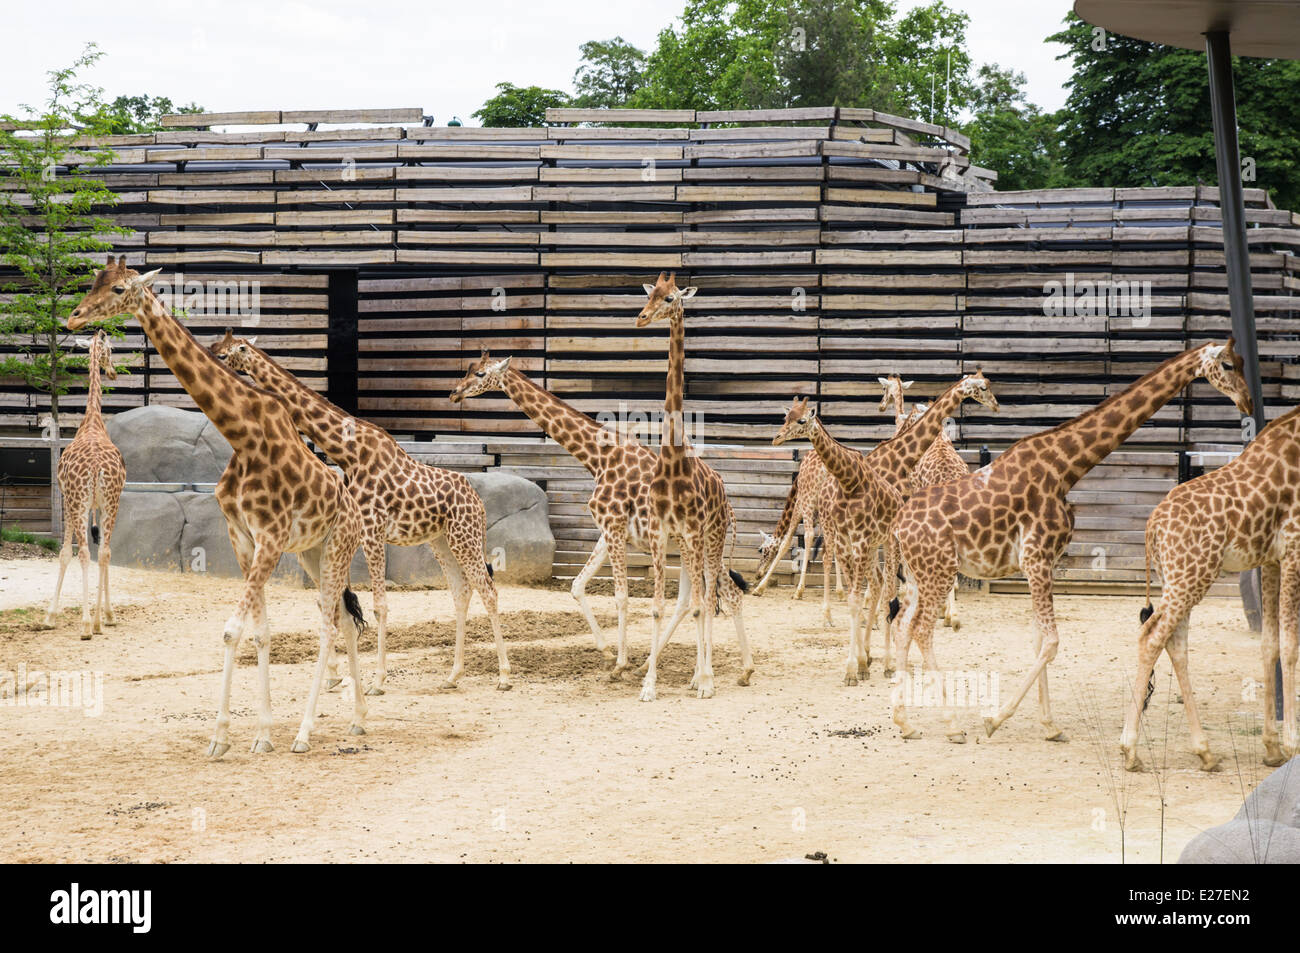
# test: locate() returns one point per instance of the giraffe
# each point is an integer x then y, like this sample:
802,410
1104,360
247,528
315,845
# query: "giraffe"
1012,516
810,495
276,497
1243,515
91,476
940,464
620,502
690,503
860,514
403,502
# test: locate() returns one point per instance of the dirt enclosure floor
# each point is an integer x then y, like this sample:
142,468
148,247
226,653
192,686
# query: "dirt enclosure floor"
570,766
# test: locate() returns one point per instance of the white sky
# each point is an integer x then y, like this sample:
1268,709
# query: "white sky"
444,58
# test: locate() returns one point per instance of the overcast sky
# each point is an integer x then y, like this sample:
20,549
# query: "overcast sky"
444,58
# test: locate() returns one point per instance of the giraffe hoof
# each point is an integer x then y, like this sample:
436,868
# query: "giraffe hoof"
889,673
643,670
374,690
647,693
616,675
262,746
356,730
1057,734
85,636
1274,758
990,726
448,686
216,749
110,620
955,624
704,692
504,686
1209,762
300,746
50,622
332,683
744,679
911,734
957,737
850,680
1132,763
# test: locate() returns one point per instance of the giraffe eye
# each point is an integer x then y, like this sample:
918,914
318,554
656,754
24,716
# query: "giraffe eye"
118,289
670,298
480,374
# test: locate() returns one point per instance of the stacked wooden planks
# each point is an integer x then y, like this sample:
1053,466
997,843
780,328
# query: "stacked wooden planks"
830,246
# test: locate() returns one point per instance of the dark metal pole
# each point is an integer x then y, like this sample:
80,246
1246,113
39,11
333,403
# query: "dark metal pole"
1236,252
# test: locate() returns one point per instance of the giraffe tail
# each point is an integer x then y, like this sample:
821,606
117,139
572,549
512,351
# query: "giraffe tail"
94,529
1149,544
353,606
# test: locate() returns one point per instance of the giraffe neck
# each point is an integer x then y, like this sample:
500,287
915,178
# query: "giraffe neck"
898,456
94,418
900,414
1069,451
330,427
233,406
585,439
844,464
672,440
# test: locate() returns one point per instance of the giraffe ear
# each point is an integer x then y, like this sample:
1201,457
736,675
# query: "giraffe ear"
252,340
83,342
907,384
501,366
884,382
145,280
649,289
1216,352
689,292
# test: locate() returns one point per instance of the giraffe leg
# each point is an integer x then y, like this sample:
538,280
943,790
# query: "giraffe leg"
1038,570
828,557
776,560
892,562
918,626
460,596
680,611
742,639
310,561
108,520
65,557
83,557
1177,649
808,537
854,666
579,588
1155,635
869,621
260,563
1288,608
657,563
334,562
376,553
1270,597
262,639
705,608
950,611
618,564
468,550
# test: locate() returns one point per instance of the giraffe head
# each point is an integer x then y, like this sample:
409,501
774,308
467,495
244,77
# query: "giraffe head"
768,547
665,300
237,354
976,387
117,290
484,375
799,422
1221,365
893,386
101,352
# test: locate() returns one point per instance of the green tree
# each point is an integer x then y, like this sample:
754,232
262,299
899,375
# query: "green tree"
140,114
519,106
610,72
1013,136
49,228
926,56
1139,114
833,55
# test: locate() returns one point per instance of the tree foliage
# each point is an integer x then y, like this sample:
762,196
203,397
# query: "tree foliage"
610,72
1139,114
141,114
1011,135
49,227
518,106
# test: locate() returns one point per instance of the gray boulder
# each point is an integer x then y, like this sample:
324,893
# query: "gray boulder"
1265,830
519,543
169,445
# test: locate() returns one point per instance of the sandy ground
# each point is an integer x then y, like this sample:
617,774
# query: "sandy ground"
572,767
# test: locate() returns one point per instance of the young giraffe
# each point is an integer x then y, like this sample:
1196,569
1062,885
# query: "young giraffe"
403,502
276,497
860,514
620,502
91,477
1012,516
941,464
808,500
690,503
1243,515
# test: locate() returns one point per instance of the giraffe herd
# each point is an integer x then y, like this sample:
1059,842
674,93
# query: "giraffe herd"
909,510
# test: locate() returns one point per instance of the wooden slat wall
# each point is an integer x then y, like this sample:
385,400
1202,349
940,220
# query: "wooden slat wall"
829,245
